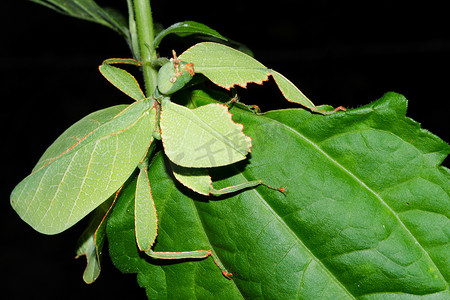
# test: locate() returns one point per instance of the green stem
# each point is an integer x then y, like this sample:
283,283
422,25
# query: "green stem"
144,25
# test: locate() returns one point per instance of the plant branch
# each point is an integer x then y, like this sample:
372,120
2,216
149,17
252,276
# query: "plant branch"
144,25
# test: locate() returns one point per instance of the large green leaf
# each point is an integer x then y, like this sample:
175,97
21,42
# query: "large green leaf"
366,213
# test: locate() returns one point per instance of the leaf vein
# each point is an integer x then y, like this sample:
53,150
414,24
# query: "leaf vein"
365,186
296,238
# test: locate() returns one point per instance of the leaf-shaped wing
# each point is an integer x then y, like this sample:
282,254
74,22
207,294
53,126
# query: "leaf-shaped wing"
203,137
65,187
78,131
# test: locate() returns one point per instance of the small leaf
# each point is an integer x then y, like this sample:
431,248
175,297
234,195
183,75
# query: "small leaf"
122,80
91,241
187,28
90,11
203,137
78,131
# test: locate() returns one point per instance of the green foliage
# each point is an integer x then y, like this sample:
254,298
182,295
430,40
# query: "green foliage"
90,11
350,204
187,28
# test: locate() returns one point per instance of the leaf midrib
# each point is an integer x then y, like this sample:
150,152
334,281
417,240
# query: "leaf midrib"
364,185
300,242
281,221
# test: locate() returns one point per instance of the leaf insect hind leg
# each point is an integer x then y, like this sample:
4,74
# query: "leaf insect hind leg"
196,254
246,185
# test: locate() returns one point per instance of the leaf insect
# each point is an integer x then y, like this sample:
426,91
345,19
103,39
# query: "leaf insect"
94,157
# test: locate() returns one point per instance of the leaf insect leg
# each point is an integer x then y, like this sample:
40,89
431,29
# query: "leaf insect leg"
146,224
196,254
246,185
235,101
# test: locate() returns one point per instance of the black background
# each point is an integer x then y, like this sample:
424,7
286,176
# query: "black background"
338,52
